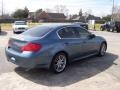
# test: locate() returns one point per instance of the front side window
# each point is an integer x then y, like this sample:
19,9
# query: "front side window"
82,33
73,32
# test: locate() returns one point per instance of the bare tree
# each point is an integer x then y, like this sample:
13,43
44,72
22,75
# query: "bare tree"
87,13
80,12
61,9
48,10
116,13
37,13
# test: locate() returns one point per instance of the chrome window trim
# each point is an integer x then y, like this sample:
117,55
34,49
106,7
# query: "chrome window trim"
63,28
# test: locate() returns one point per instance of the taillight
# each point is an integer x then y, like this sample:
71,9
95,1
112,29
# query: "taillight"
33,47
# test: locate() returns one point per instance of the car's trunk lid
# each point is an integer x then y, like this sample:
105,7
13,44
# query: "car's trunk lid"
16,42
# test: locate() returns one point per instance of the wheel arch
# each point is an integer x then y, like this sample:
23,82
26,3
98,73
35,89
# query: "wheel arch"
62,51
104,43
51,67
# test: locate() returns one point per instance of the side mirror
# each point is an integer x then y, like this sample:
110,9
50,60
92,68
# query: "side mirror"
92,36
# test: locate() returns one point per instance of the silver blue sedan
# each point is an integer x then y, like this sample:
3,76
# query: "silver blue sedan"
53,47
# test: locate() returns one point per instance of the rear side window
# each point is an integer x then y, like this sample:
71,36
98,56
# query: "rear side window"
68,32
38,31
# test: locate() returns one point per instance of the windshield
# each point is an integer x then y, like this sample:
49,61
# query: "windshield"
20,23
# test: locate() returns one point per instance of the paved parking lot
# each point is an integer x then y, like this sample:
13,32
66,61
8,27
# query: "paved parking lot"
95,73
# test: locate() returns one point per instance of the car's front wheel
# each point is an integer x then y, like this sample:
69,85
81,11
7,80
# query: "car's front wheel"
59,63
103,49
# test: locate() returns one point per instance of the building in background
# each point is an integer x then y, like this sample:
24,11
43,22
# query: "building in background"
44,16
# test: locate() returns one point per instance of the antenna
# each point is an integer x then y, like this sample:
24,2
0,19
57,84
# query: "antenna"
2,9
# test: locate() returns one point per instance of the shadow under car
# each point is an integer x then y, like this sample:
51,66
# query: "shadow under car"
75,72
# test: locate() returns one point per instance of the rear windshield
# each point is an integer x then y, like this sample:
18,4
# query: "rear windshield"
38,31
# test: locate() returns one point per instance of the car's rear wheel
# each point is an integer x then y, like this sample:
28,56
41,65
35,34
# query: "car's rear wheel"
59,63
103,49
118,31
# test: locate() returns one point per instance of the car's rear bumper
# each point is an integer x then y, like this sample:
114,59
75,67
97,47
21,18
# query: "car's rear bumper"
27,60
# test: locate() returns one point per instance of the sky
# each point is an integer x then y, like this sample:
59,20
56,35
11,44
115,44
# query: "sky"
97,7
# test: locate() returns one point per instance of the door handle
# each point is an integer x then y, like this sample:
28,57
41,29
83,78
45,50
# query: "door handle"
66,43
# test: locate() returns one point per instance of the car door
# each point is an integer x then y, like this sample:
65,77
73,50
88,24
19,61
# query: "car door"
89,45
70,41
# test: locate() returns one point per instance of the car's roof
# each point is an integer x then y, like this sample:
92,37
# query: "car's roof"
57,25
79,23
41,30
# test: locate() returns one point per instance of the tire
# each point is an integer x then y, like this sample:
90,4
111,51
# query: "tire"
59,63
118,31
0,30
103,49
